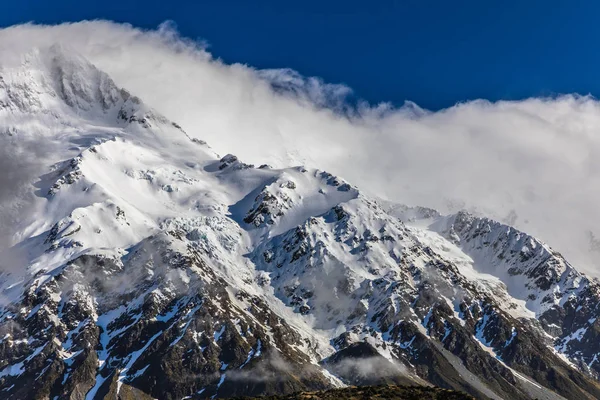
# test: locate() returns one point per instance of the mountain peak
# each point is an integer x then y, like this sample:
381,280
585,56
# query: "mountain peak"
56,91
49,76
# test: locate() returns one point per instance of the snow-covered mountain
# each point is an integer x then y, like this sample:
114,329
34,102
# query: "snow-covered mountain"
147,266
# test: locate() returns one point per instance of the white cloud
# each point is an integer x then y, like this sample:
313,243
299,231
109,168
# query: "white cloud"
537,157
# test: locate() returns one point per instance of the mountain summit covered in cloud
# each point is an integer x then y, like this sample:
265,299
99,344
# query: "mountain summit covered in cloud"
529,163
138,263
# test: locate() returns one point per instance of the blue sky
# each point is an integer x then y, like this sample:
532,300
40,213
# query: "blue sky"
435,53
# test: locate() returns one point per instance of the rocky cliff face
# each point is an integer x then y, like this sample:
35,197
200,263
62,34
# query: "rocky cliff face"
150,267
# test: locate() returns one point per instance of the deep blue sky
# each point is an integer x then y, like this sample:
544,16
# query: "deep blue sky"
435,53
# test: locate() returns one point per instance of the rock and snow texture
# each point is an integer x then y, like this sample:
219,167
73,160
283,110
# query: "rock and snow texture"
150,267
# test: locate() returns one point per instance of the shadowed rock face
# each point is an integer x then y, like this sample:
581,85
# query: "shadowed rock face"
152,268
361,364
163,343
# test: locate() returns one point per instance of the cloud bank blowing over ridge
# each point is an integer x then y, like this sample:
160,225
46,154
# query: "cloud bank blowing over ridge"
531,163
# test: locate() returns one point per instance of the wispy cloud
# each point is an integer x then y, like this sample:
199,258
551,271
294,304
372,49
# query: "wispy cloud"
533,162
18,162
